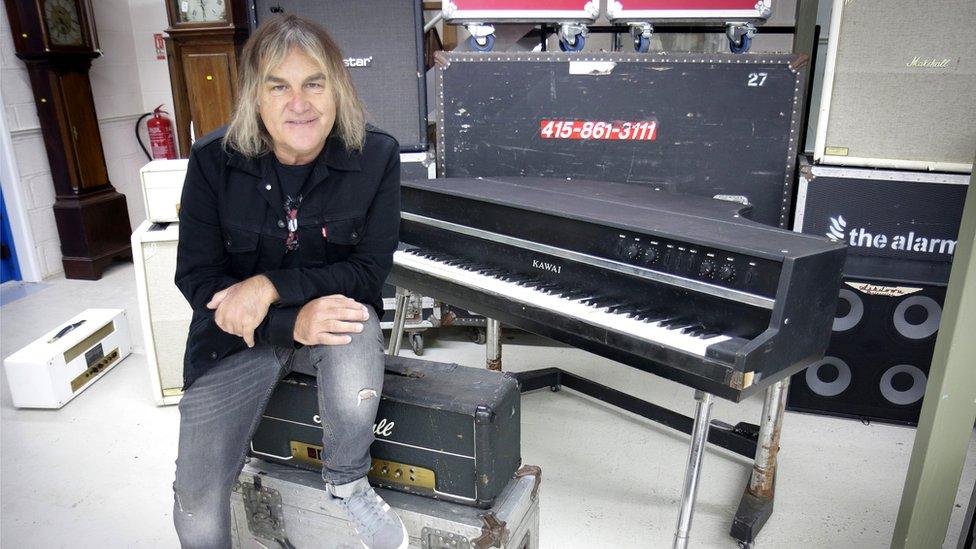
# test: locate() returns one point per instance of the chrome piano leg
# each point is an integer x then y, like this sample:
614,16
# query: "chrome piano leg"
399,320
699,438
493,345
756,504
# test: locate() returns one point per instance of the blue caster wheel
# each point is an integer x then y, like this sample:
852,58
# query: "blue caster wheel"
577,45
742,46
642,44
489,43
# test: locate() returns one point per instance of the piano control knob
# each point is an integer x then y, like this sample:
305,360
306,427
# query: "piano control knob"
726,272
632,251
650,255
706,268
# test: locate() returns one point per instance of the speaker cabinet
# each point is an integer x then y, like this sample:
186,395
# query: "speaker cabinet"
382,43
899,85
898,262
164,312
877,362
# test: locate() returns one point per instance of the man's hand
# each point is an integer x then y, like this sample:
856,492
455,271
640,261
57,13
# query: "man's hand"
242,307
325,320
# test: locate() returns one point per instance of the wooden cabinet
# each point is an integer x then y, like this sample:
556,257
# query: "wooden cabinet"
203,55
57,42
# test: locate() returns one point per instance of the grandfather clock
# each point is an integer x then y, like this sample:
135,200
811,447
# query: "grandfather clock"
203,45
57,42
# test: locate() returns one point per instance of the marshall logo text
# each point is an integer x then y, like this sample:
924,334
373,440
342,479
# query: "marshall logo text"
382,428
928,63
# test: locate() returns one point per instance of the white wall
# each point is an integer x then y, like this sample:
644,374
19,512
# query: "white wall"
127,80
148,18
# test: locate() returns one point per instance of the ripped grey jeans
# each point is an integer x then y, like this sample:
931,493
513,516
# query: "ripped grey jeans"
221,410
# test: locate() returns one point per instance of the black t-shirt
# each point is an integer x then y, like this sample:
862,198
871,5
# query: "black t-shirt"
291,179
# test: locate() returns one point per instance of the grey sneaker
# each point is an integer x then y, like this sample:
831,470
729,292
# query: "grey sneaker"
377,524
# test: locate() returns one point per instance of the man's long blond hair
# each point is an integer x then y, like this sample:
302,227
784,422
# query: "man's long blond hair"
263,52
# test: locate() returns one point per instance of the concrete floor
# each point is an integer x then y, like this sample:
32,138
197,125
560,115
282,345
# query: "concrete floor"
98,472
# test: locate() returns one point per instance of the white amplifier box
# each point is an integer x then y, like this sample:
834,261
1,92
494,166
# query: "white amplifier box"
163,310
162,189
62,363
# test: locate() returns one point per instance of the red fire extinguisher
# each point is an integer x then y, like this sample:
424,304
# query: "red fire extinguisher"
161,135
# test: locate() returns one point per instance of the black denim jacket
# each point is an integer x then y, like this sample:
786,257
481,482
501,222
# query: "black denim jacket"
232,226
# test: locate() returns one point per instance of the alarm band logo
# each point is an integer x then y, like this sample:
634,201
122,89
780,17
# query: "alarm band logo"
911,241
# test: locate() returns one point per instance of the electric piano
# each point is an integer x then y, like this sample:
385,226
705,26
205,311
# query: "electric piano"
680,286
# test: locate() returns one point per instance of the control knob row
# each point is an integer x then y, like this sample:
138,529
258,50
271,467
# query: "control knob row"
725,272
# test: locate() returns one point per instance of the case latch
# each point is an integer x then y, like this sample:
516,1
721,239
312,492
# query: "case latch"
265,518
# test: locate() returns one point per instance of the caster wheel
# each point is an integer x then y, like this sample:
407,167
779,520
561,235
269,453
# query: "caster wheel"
642,44
479,336
484,44
555,388
417,344
742,46
577,44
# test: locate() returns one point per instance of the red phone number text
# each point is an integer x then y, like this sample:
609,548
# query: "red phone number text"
588,129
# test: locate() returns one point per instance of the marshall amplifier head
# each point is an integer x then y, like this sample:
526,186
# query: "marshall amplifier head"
901,230
62,363
715,125
442,430
382,43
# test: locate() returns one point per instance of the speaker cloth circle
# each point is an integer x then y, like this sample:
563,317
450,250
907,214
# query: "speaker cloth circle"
851,302
907,318
829,377
897,395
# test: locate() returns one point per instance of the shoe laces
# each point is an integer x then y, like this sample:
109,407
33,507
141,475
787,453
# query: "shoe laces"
367,509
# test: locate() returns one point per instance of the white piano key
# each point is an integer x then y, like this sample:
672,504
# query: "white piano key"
596,316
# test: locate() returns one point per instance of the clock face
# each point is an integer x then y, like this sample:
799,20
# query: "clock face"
201,11
63,24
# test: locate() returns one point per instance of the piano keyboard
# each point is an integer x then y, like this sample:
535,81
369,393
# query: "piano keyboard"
651,325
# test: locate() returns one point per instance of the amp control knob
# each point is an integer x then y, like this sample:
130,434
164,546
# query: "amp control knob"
706,268
726,272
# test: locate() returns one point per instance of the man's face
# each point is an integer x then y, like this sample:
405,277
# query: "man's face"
298,108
